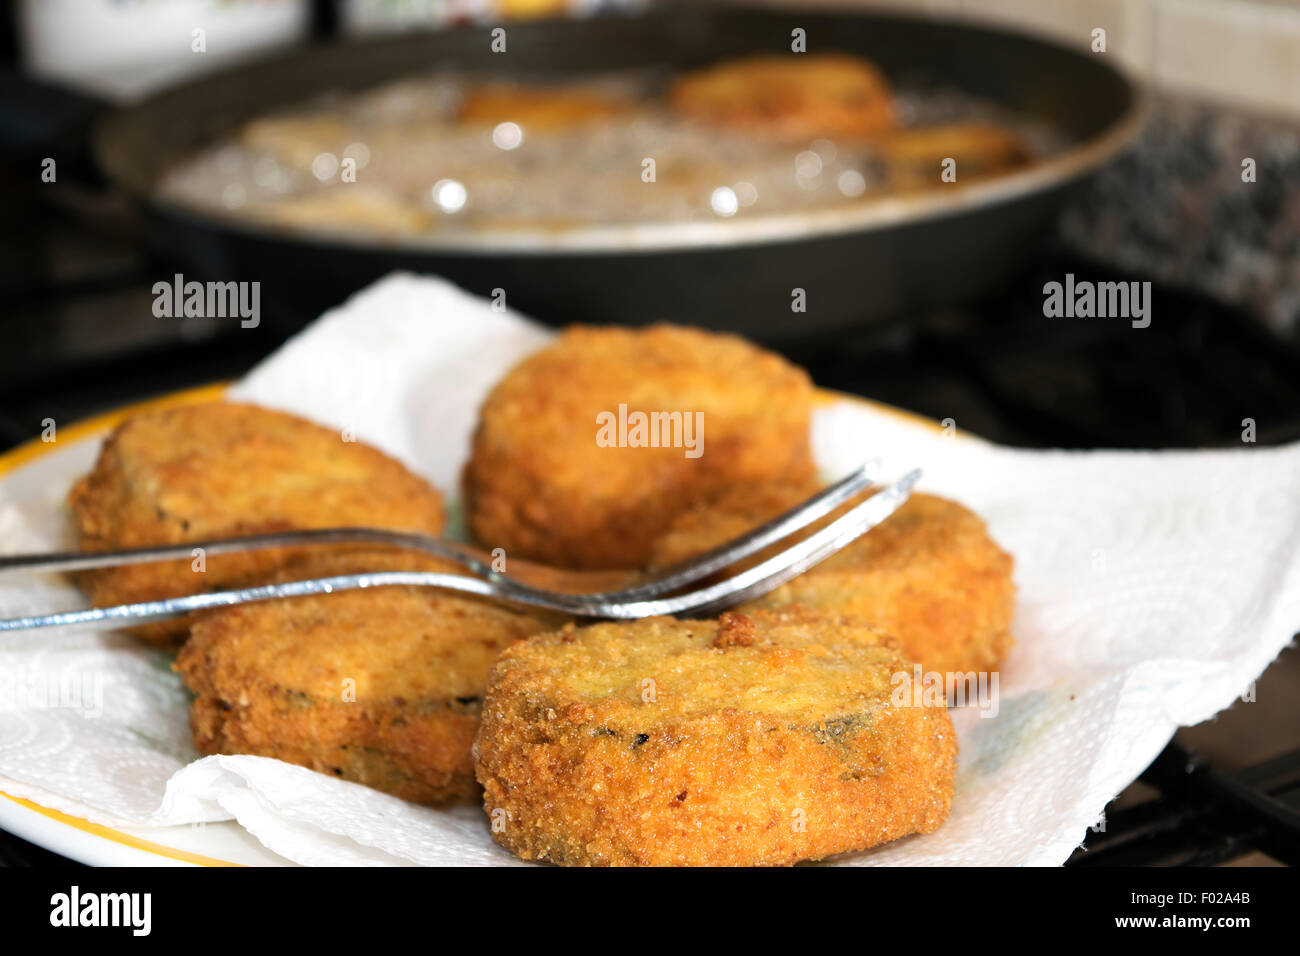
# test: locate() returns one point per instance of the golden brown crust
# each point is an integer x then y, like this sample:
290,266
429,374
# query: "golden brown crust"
539,108
915,155
663,742
929,574
381,687
796,97
223,469
540,486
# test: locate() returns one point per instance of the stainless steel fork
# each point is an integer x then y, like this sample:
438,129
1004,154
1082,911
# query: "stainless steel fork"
644,599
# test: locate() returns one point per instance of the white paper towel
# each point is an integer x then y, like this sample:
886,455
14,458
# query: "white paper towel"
1153,588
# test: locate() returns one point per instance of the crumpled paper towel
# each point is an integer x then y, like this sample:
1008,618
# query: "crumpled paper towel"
1153,588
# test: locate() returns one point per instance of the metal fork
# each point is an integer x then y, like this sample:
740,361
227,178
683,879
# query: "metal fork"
643,599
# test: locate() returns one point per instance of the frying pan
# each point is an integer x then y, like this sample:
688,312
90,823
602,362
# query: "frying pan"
856,263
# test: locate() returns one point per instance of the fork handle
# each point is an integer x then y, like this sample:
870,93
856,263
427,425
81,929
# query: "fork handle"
178,606
83,560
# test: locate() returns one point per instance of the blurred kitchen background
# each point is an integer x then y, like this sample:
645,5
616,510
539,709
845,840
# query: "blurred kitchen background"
77,333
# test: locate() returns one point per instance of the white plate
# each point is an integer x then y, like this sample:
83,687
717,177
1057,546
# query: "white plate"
211,844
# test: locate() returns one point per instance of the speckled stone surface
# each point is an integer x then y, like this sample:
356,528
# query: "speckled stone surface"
1174,207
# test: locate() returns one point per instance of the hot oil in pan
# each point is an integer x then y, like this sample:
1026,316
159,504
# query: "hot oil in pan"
441,155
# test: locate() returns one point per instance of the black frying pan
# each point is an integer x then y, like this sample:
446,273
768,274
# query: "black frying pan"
856,264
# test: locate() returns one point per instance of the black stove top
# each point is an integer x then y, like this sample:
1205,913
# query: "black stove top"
80,337
1003,370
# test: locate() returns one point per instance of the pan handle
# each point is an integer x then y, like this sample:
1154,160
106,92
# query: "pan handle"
40,120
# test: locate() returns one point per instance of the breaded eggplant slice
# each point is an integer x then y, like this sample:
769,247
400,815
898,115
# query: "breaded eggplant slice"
792,97
224,469
540,109
915,155
544,481
382,686
930,574
755,739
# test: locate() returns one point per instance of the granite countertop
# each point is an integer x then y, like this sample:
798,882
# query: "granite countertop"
1174,207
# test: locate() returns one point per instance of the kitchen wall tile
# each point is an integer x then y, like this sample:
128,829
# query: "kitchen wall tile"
1241,52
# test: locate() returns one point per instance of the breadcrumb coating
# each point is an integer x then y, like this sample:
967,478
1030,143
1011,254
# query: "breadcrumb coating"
538,108
224,469
929,574
755,739
796,97
382,686
539,483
